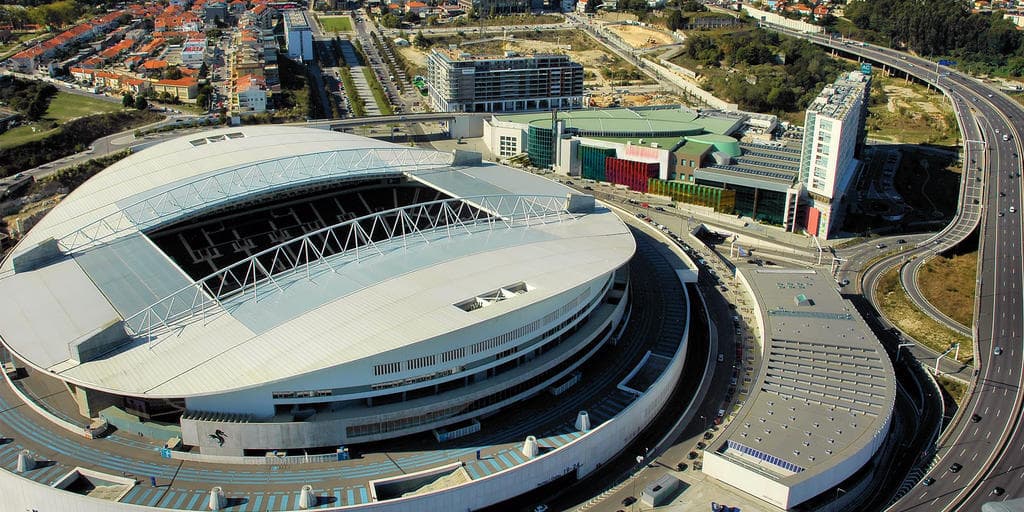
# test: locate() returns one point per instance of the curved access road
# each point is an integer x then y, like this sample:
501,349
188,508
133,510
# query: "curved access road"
983,449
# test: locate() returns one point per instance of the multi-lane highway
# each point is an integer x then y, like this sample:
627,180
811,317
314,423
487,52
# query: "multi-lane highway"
981,456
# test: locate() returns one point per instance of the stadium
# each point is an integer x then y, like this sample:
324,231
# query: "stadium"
281,289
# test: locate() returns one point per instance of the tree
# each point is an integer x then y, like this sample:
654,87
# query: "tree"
141,103
127,100
676,21
204,71
422,41
411,17
389,20
172,73
692,6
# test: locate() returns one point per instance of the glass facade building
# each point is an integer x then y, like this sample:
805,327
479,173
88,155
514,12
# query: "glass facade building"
720,199
540,146
592,162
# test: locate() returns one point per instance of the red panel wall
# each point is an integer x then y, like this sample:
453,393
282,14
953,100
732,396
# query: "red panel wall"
627,172
813,215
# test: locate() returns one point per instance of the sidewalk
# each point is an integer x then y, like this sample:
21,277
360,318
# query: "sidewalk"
751,233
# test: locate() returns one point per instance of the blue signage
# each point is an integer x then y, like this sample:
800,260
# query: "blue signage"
865,68
944,62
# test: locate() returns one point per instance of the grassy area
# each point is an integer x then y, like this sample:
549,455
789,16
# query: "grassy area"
63,107
14,45
898,309
354,101
378,92
336,23
26,133
910,113
66,106
929,181
948,283
955,388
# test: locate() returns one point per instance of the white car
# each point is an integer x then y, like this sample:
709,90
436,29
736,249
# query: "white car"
1013,209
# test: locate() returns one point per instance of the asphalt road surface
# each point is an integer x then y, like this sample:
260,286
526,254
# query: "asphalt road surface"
984,443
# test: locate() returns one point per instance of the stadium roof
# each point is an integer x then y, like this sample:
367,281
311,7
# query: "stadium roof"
825,388
398,300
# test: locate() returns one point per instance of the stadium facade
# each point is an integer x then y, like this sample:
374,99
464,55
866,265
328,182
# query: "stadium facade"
278,288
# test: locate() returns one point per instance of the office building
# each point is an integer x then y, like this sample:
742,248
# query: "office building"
462,82
298,36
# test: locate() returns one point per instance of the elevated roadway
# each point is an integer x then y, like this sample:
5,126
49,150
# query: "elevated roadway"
983,441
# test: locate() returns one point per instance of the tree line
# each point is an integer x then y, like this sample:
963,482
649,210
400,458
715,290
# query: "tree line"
765,72
54,14
30,98
73,136
979,41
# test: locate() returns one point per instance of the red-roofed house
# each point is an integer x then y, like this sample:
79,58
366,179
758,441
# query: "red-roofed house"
251,94
800,9
154,65
415,7
184,89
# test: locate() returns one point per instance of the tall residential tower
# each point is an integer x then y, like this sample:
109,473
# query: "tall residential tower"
833,133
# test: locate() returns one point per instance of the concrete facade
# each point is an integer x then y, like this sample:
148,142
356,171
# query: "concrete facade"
461,82
298,36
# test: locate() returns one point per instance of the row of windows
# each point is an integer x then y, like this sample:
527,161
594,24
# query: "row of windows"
413,380
453,354
302,394
386,368
508,145
420,362
448,412
476,348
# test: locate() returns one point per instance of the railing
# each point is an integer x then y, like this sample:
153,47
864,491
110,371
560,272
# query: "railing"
328,249
200,194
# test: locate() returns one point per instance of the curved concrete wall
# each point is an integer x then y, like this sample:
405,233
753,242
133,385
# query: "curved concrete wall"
583,456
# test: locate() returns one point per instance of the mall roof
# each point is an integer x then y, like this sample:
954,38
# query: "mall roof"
396,299
644,121
825,387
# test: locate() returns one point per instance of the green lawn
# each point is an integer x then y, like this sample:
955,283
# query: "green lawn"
14,45
66,106
63,107
378,92
23,134
336,23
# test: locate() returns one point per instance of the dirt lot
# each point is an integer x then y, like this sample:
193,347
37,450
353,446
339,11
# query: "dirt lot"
948,283
641,37
576,44
898,308
910,114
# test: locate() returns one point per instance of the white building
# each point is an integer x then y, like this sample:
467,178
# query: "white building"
251,93
822,403
833,129
298,36
193,53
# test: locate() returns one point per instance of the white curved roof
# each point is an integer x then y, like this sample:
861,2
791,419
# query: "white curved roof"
365,309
